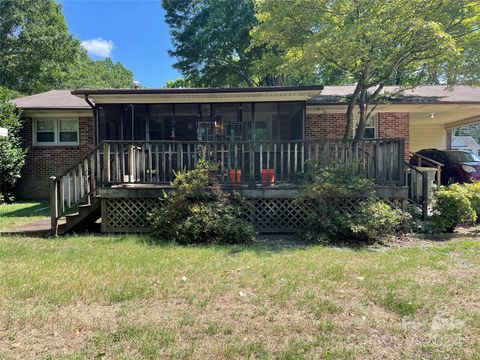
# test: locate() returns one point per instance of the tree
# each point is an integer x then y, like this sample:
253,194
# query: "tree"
38,53
373,43
90,74
180,83
211,40
212,43
36,47
12,155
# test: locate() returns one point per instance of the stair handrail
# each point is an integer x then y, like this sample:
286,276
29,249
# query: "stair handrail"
88,171
412,183
437,165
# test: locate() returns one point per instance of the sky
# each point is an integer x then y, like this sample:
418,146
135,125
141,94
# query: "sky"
131,31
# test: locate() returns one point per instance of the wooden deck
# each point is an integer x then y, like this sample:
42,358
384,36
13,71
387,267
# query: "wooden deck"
130,177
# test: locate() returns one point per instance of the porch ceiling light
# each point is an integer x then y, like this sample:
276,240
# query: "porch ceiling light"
432,115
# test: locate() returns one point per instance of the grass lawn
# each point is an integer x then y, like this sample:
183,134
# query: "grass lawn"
84,297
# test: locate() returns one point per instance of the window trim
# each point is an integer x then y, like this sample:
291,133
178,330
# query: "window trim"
375,127
56,132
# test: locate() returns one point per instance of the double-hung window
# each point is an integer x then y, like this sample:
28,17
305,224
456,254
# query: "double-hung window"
55,132
371,127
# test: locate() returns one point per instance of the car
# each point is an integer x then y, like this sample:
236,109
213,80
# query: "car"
458,166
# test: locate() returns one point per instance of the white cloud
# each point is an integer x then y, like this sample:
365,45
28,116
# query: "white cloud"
98,47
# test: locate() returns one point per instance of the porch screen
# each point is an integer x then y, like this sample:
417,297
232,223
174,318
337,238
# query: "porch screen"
262,121
161,122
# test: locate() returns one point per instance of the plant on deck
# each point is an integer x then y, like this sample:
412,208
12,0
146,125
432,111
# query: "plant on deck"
198,211
368,218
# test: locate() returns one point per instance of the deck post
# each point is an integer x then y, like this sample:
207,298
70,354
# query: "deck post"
54,205
252,164
103,216
401,163
106,163
425,195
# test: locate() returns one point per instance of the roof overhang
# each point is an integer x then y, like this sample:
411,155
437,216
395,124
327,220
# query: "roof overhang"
199,95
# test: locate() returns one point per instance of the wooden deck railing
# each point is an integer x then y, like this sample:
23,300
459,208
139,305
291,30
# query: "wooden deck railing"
248,162
241,163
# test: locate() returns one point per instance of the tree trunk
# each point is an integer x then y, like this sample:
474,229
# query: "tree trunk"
360,132
351,107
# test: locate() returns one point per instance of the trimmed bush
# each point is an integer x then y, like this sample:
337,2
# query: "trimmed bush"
370,220
474,195
197,211
452,207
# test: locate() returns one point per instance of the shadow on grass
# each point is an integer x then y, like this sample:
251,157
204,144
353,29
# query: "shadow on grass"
264,243
18,211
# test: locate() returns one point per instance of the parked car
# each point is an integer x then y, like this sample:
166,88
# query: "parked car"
458,166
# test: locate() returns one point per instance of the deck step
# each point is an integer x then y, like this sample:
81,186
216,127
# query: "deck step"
83,219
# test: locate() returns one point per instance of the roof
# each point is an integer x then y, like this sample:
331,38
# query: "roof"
431,94
465,142
54,99
200,95
335,95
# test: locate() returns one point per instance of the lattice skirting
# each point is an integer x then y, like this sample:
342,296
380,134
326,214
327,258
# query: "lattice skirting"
128,214
269,215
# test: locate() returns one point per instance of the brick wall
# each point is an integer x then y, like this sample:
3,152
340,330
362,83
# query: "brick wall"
395,126
331,126
45,161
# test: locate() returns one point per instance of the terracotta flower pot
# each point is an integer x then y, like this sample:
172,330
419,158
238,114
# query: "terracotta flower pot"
235,176
268,177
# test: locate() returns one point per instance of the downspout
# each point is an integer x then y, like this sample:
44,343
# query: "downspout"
95,117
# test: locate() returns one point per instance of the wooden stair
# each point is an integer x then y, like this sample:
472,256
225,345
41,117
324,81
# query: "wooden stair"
86,215
74,195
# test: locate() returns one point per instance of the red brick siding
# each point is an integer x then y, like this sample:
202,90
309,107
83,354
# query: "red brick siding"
332,126
45,161
325,126
395,126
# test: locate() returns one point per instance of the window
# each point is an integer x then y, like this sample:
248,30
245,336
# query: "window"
371,127
55,132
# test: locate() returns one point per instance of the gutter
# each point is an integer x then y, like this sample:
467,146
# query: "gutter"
195,90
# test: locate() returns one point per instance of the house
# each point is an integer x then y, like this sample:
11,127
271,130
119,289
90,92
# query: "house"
466,143
122,146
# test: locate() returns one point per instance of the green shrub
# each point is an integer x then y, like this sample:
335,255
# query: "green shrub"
473,190
452,206
198,211
12,155
376,219
335,182
369,219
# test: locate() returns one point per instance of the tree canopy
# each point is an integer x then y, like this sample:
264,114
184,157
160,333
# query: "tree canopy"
38,53
211,41
214,47
373,43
